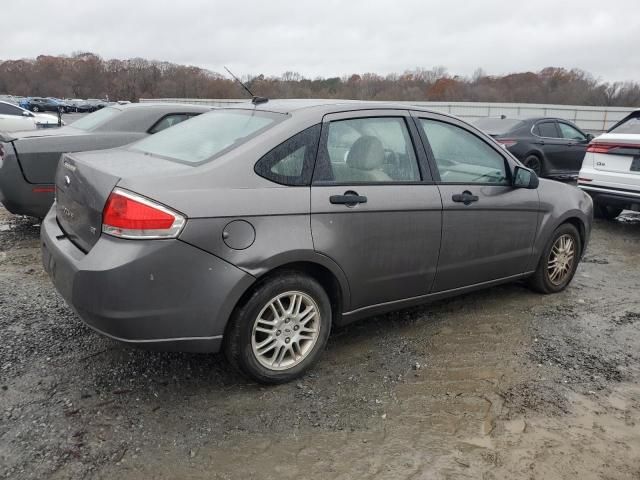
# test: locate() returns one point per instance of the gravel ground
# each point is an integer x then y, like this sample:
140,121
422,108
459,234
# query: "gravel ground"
503,383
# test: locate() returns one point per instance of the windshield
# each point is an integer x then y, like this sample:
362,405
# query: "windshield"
630,125
203,137
95,119
497,126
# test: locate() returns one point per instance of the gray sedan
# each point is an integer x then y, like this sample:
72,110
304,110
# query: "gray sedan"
255,229
28,160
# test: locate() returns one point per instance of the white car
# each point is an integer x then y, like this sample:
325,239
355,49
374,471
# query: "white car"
611,168
14,118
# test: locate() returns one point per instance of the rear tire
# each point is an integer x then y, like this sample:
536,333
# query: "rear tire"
607,212
35,109
280,330
534,162
558,262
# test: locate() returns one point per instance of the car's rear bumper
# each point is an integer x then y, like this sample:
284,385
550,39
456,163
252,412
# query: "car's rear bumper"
163,294
612,196
19,196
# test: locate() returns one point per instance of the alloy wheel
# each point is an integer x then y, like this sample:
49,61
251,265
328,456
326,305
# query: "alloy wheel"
286,330
561,259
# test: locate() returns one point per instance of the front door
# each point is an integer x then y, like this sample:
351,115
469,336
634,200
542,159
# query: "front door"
576,145
488,226
374,208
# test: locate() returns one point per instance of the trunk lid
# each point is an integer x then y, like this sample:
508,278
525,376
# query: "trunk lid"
84,182
616,152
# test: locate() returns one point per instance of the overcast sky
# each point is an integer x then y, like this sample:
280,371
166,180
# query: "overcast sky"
336,37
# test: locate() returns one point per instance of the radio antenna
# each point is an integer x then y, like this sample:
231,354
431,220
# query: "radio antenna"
254,99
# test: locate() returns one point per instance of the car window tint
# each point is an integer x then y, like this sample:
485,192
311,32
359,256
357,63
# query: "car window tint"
368,150
462,157
630,125
208,135
6,109
291,162
570,133
169,121
548,129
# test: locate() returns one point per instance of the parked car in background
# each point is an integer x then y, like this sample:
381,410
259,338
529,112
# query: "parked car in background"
255,229
14,118
96,103
39,104
79,106
551,147
29,159
610,171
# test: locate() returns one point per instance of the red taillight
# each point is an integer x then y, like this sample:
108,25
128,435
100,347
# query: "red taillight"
128,215
1,152
601,147
45,189
507,142
584,179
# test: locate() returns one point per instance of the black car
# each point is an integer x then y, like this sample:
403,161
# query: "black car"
552,147
80,106
96,103
38,104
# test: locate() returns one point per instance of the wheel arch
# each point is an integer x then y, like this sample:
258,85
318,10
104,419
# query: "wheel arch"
322,269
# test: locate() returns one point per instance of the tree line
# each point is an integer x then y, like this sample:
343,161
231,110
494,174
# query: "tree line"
87,75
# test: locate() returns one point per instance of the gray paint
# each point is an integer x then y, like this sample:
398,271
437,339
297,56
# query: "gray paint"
408,244
32,158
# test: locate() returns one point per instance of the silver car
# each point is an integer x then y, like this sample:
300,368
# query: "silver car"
255,229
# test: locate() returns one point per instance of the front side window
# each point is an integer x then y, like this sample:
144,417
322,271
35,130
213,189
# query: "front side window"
291,162
368,150
207,135
6,109
570,133
462,157
548,130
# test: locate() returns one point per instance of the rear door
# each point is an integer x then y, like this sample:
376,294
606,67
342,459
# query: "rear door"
374,207
488,226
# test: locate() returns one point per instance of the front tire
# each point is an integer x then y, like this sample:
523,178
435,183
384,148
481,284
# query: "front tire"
280,330
558,262
534,162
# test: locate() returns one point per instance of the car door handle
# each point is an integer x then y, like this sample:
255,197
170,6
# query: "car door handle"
465,197
349,198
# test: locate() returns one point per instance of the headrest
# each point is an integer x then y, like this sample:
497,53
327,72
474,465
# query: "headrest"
367,153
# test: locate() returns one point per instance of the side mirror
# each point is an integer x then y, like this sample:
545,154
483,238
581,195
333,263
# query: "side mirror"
27,114
590,137
525,178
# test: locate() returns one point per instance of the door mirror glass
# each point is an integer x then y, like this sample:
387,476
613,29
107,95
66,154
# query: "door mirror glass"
525,178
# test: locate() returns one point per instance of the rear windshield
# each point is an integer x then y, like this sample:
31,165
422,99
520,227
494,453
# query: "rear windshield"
629,125
205,136
497,126
95,119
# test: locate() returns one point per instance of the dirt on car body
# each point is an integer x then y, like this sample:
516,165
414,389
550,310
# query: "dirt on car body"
502,383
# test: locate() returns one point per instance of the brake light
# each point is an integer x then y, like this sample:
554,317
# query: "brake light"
601,147
507,142
1,152
127,215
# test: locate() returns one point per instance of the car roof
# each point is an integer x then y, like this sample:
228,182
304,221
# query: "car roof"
163,106
325,106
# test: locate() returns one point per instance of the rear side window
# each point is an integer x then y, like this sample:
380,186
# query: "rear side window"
547,129
208,135
291,162
170,121
367,150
